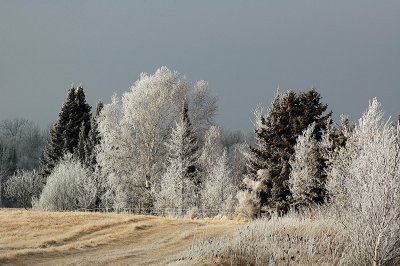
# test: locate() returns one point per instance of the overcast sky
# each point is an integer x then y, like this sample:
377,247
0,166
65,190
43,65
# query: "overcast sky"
348,50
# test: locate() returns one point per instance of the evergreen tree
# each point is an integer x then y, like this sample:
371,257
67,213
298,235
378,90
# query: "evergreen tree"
93,139
306,184
82,115
192,146
80,148
180,186
276,133
64,135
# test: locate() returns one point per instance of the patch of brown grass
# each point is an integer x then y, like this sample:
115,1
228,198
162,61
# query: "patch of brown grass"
295,239
30,237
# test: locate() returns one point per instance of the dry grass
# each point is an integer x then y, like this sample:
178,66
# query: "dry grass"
296,239
49,238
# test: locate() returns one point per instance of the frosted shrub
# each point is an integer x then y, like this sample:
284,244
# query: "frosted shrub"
249,204
23,187
69,187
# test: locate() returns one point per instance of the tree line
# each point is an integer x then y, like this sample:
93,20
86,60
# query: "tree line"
157,149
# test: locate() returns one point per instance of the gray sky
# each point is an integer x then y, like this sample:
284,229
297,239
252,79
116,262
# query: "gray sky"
348,50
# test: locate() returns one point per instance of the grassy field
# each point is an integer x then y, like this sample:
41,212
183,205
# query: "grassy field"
48,238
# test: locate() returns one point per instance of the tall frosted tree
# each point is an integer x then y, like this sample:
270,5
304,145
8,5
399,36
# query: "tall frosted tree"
307,185
64,135
218,195
180,184
364,180
276,133
134,129
212,150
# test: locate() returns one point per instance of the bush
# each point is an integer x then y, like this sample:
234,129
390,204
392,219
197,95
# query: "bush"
69,187
23,187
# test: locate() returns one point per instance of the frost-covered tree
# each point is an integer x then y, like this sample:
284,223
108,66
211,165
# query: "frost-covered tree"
69,187
23,187
364,180
218,195
149,112
26,139
180,184
116,157
307,185
5,170
212,150
276,133
235,144
203,106
133,137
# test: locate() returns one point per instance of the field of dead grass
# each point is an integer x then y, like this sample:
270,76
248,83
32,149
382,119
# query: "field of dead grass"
72,238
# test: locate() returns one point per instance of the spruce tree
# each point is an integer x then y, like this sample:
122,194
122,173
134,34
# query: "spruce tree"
276,133
180,184
93,139
57,139
193,148
80,148
64,135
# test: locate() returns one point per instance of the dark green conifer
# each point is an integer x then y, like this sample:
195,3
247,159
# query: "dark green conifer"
80,148
276,134
64,135
93,139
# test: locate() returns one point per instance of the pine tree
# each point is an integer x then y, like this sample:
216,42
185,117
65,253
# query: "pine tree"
192,152
83,114
307,185
64,135
80,148
276,134
93,139
57,139
180,186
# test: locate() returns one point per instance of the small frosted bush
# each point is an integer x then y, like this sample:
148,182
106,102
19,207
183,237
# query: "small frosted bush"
69,187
